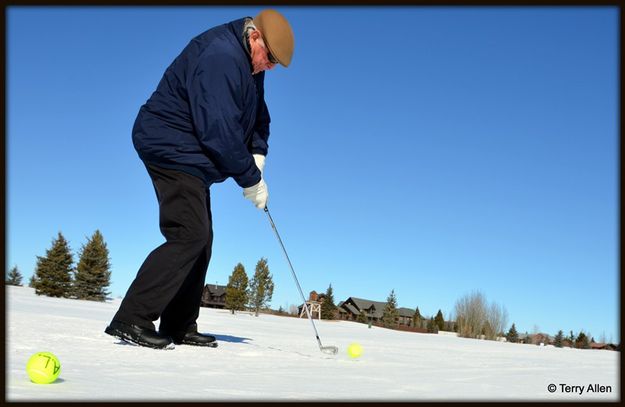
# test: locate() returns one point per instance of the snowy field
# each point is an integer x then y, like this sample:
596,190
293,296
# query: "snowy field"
277,358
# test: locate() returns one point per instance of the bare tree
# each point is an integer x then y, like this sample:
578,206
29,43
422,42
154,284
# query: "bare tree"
471,311
497,318
475,317
293,309
602,337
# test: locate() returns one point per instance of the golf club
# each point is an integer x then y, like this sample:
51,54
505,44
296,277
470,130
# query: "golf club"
330,350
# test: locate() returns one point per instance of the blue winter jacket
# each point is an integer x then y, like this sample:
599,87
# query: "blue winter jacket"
208,114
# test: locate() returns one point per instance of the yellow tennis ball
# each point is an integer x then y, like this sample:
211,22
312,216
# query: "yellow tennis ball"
354,350
43,368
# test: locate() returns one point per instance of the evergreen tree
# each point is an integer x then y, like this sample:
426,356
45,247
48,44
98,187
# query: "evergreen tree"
261,287
328,308
362,317
439,321
390,313
53,271
557,340
14,277
512,335
33,281
237,289
93,272
432,327
416,318
582,342
572,338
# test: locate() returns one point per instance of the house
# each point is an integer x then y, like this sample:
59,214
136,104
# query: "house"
405,316
214,296
541,338
353,308
537,339
603,346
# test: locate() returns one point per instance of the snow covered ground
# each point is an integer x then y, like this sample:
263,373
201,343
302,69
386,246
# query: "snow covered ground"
277,358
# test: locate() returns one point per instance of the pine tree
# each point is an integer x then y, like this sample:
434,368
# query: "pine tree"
557,340
93,272
33,281
512,335
53,271
582,342
572,338
236,290
328,308
261,287
14,277
439,321
390,314
432,327
416,318
362,317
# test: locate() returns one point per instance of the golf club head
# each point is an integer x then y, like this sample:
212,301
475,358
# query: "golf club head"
330,350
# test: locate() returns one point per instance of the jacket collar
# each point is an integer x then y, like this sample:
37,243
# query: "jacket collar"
236,28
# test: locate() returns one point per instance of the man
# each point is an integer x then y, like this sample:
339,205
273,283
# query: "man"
206,121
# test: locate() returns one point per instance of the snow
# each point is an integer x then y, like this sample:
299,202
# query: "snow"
277,358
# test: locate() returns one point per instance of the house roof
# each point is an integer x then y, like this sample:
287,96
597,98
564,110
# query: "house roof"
351,308
406,312
374,308
215,290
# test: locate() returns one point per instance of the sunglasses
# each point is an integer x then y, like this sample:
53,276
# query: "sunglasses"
271,58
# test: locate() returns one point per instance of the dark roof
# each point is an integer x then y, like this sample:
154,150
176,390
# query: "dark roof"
351,309
406,312
215,290
375,308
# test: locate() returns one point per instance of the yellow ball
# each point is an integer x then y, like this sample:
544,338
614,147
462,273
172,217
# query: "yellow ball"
354,350
43,368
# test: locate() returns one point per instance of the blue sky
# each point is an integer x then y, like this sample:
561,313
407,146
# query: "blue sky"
430,150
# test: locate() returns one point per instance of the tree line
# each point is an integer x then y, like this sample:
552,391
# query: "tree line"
475,318
582,340
56,275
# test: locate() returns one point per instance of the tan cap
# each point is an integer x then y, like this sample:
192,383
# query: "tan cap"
277,34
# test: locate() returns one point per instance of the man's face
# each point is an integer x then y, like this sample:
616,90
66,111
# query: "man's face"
260,53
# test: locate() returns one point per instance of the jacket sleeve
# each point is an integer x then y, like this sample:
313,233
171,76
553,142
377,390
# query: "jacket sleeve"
259,142
214,90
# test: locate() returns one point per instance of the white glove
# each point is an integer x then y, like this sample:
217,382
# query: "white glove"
258,194
259,159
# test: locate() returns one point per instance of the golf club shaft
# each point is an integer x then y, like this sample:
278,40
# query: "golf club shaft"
273,225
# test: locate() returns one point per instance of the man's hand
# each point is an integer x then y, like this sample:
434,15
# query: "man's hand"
259,159
258,194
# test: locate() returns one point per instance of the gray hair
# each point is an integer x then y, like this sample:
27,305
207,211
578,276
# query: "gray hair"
248,27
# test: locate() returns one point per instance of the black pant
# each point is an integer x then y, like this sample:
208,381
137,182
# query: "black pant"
170,282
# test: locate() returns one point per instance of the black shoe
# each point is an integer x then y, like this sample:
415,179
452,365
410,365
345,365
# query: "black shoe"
192,337
138,335
198,339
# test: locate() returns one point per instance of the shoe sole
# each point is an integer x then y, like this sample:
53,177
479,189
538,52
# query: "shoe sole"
127,338
206,345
